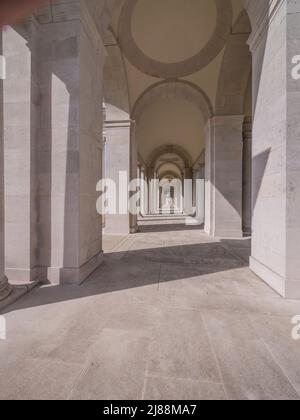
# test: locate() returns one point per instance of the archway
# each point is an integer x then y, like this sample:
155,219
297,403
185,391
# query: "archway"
173,89
174,93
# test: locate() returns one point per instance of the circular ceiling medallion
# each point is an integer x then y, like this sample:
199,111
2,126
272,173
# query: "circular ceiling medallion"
135,26
173,30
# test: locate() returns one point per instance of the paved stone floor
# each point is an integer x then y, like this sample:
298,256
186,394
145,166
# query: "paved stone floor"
171,314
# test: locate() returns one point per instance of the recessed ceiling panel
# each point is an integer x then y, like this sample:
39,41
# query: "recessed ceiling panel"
173,30
174,38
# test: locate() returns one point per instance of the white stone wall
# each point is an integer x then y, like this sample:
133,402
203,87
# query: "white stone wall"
276,186
293,154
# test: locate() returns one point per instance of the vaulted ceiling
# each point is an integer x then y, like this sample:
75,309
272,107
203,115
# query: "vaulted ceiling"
173,39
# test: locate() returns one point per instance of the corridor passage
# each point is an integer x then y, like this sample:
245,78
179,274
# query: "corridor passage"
171,314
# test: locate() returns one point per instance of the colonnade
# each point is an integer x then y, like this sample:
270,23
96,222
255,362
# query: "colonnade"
51,153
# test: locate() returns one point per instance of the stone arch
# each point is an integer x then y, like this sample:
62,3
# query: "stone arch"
164,150
170,89
167,174
173,163
235,70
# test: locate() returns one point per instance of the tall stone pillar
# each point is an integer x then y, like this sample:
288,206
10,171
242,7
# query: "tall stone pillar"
143,191
188,191
150,175
153,187
121,168
158,196
247,177
139,189
200,195
117,162
103,172
70,145
133,216
5,288
195,177
223,175
146,192
275,46
21,123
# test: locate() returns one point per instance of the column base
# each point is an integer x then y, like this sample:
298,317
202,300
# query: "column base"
26,276
134,229
223,233
288,289
230,234
59,275
247,231
5,289
117,225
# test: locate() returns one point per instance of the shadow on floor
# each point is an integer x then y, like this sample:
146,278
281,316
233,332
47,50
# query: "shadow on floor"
160,228
138,268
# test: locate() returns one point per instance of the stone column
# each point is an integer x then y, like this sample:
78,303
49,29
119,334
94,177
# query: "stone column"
5,288
160,200
200,195
133,160
139,189
247,177
223,189
188,191
70,145
181,197
195,177
150,175
152,191
158,196
146,191
21,122
103,173
275,47
143,192
118,169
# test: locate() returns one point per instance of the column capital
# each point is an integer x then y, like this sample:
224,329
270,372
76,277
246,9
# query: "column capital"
113,124
224,118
